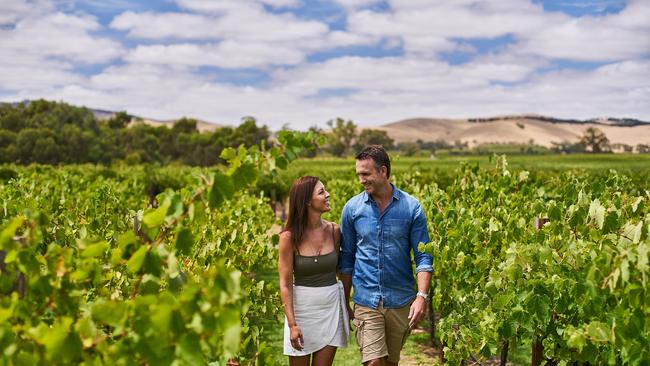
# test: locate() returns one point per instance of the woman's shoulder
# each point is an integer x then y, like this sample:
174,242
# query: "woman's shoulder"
334,226
285,236
285,239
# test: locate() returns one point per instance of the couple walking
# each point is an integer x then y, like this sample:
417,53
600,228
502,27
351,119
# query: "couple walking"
370,252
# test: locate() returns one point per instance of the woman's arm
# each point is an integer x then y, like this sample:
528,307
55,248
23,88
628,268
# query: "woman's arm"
346,279
285,269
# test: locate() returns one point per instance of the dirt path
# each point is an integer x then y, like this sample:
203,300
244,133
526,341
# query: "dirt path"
418,353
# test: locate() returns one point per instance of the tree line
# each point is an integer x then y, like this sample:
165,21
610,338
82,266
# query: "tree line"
48,132
58,133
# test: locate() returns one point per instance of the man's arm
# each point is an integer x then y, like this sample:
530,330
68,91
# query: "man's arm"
419,306
423,265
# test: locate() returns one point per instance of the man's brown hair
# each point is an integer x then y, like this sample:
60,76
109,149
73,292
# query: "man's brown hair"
378,154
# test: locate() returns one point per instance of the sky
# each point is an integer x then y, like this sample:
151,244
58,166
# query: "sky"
300,63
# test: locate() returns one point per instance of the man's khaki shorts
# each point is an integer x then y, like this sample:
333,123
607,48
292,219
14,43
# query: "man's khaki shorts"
381,332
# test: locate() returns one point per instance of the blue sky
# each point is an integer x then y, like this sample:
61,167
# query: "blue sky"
305,62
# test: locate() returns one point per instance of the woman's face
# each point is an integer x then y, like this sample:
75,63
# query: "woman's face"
320,198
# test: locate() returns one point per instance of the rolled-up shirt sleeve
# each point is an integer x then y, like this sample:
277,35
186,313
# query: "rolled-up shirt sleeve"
420,234
348,243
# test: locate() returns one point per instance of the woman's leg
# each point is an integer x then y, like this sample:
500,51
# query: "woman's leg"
324,356
299,360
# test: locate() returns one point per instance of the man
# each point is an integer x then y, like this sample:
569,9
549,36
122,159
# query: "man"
379,227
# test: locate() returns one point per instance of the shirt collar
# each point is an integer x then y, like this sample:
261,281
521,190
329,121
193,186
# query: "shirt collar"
397,194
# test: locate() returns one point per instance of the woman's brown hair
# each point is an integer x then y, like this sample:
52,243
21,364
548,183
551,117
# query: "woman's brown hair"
299,196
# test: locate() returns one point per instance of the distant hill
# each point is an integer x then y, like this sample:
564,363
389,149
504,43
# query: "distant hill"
524,129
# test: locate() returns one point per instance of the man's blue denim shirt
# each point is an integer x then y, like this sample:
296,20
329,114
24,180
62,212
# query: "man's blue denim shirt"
376,248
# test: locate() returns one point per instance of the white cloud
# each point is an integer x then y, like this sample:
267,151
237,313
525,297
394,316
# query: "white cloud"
220,6
431,27
383,91
355,4
41,48
59,35
227,54
13,10
238,22
160,75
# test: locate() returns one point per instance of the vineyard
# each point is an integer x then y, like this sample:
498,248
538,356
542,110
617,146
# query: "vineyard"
160,266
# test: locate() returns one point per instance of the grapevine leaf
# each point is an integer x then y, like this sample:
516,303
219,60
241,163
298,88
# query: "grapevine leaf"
95,250
184,241
113,313
189,349
576,339
161,316
222,189
245,175
137,259
633,232
554,213
597,213
86,330
153,219
7,234
281,162
599,332
231,332
539,306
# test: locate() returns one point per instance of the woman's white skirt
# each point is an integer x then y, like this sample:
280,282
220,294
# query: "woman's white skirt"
322,316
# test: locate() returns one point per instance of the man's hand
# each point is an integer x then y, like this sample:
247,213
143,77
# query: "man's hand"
350,312
417,311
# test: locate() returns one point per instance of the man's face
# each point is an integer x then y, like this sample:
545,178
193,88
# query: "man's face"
369,176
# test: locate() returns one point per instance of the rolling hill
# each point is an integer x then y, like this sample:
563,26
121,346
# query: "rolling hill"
524,129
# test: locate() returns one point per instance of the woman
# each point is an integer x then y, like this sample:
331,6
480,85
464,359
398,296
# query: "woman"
316,320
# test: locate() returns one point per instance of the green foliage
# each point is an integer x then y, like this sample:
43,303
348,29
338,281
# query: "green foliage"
373,137
109,279
54,133
342,136
595,140
575,283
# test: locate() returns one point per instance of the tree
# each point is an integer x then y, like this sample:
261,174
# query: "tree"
7,146
567,147
343,133
185,125
119,120
595,140
409,148
643,148
374,137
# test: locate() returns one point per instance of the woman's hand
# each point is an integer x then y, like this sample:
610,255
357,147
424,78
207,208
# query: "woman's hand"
296,338
350,312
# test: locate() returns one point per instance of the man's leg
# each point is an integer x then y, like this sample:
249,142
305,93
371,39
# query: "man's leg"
397,328
370,332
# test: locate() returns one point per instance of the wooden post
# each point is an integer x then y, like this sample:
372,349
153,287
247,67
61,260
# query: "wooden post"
538,352
540,221
2,261
504,353
136,225
432,320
